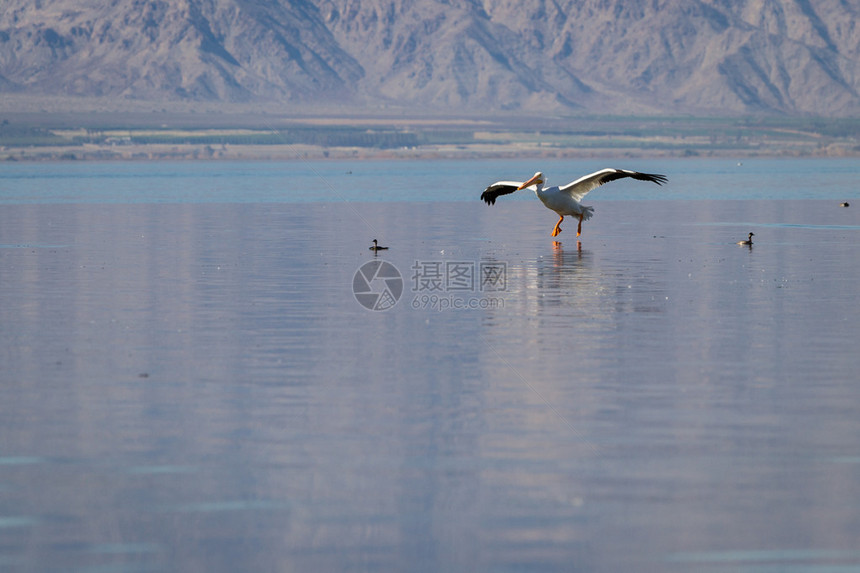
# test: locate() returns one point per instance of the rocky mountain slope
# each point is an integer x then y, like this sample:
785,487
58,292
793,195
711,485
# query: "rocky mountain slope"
601,56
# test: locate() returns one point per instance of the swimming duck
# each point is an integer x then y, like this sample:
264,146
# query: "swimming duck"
845,204
748,242
377,247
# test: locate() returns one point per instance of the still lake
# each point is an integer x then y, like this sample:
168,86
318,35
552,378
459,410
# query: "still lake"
188,381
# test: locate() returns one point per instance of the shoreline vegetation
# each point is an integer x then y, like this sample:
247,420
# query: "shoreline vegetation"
68,130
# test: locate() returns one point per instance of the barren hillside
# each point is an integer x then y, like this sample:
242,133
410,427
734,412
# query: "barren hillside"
601,56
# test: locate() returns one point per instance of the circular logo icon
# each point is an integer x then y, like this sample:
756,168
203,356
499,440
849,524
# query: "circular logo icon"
377,285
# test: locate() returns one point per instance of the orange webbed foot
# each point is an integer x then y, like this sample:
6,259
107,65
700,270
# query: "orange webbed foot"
557,229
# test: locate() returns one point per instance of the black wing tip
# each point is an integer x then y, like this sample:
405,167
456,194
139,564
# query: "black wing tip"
496,190
655,178
612,174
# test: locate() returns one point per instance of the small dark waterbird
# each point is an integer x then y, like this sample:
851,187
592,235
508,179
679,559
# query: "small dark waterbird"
377,247
748,242
565,200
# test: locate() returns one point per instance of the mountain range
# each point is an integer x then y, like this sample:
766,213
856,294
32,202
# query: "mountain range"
710,57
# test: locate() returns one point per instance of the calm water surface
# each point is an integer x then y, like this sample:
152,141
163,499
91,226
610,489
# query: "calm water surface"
188,382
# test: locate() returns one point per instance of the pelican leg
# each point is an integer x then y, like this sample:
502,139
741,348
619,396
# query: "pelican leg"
579,227
557,229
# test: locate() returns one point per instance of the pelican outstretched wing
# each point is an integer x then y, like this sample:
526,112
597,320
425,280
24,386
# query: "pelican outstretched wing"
581,187
499,188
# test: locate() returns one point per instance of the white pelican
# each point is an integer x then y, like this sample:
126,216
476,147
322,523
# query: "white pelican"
566,200
377,247
748,242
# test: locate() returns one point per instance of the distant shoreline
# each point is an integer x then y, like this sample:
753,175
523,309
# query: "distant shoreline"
96,130
305,153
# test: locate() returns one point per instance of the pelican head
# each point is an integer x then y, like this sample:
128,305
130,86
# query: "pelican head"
536,180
